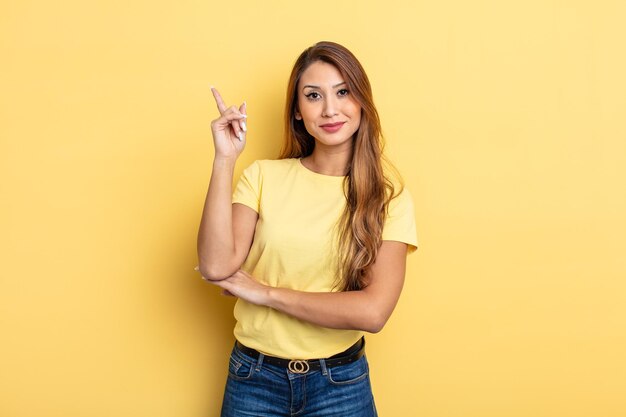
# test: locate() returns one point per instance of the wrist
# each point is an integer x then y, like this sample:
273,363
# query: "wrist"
273,297
224,162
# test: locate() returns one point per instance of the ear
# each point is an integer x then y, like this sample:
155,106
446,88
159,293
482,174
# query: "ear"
297,115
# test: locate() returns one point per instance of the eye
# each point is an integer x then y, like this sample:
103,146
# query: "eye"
312,95
343,92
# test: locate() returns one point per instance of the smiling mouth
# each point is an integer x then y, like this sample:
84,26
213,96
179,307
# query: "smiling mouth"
332,127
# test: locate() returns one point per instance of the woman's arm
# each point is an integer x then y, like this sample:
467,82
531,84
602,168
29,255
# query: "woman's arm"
367,309
226,229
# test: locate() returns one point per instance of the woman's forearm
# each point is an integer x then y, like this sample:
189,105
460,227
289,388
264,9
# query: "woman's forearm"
355,310
216,246
367,309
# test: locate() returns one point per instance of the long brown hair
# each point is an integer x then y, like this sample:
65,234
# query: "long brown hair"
367,188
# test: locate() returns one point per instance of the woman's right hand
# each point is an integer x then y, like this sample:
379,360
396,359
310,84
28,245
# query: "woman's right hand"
229,130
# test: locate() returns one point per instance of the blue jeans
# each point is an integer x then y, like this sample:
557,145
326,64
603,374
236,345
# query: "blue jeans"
254,388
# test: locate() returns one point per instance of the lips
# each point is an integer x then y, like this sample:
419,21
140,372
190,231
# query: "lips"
332,127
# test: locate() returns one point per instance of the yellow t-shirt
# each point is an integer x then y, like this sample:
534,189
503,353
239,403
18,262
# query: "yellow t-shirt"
294,247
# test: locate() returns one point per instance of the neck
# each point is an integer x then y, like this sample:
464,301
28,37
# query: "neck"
328,160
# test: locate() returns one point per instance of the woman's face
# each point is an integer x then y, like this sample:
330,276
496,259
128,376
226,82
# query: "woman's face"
328,110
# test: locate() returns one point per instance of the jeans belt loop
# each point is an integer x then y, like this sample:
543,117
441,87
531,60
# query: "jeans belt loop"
259,362
323,366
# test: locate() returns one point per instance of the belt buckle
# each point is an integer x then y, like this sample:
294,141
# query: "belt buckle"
298,366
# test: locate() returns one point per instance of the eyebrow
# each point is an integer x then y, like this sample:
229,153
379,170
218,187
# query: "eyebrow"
317,86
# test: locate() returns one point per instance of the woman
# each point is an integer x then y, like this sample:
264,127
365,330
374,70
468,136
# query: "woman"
313,244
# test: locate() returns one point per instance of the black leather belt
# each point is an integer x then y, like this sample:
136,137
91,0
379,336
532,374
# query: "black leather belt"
300,366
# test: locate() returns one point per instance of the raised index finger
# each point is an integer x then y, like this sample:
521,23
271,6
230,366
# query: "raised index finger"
218,99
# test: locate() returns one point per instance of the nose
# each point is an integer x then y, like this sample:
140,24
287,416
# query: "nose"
330,107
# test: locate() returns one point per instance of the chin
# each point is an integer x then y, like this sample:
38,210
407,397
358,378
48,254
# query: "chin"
331,139
334,142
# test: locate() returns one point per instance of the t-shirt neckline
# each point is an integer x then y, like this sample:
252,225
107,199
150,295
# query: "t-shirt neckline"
317,174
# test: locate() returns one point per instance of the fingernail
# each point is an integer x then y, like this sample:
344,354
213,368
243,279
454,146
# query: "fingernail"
244,127
240,137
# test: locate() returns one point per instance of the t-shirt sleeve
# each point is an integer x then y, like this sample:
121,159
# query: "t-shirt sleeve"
248,188
400,223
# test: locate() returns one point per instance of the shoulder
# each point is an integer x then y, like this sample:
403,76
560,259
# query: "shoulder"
397,192
402,201
275,164
400,219
268,168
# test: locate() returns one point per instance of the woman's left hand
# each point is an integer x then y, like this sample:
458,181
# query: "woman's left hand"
244,286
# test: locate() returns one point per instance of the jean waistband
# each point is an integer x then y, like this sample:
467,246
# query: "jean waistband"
299,366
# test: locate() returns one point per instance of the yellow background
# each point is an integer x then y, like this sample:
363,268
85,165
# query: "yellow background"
506,118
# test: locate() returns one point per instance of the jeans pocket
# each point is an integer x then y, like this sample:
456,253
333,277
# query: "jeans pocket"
239,368
350,373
